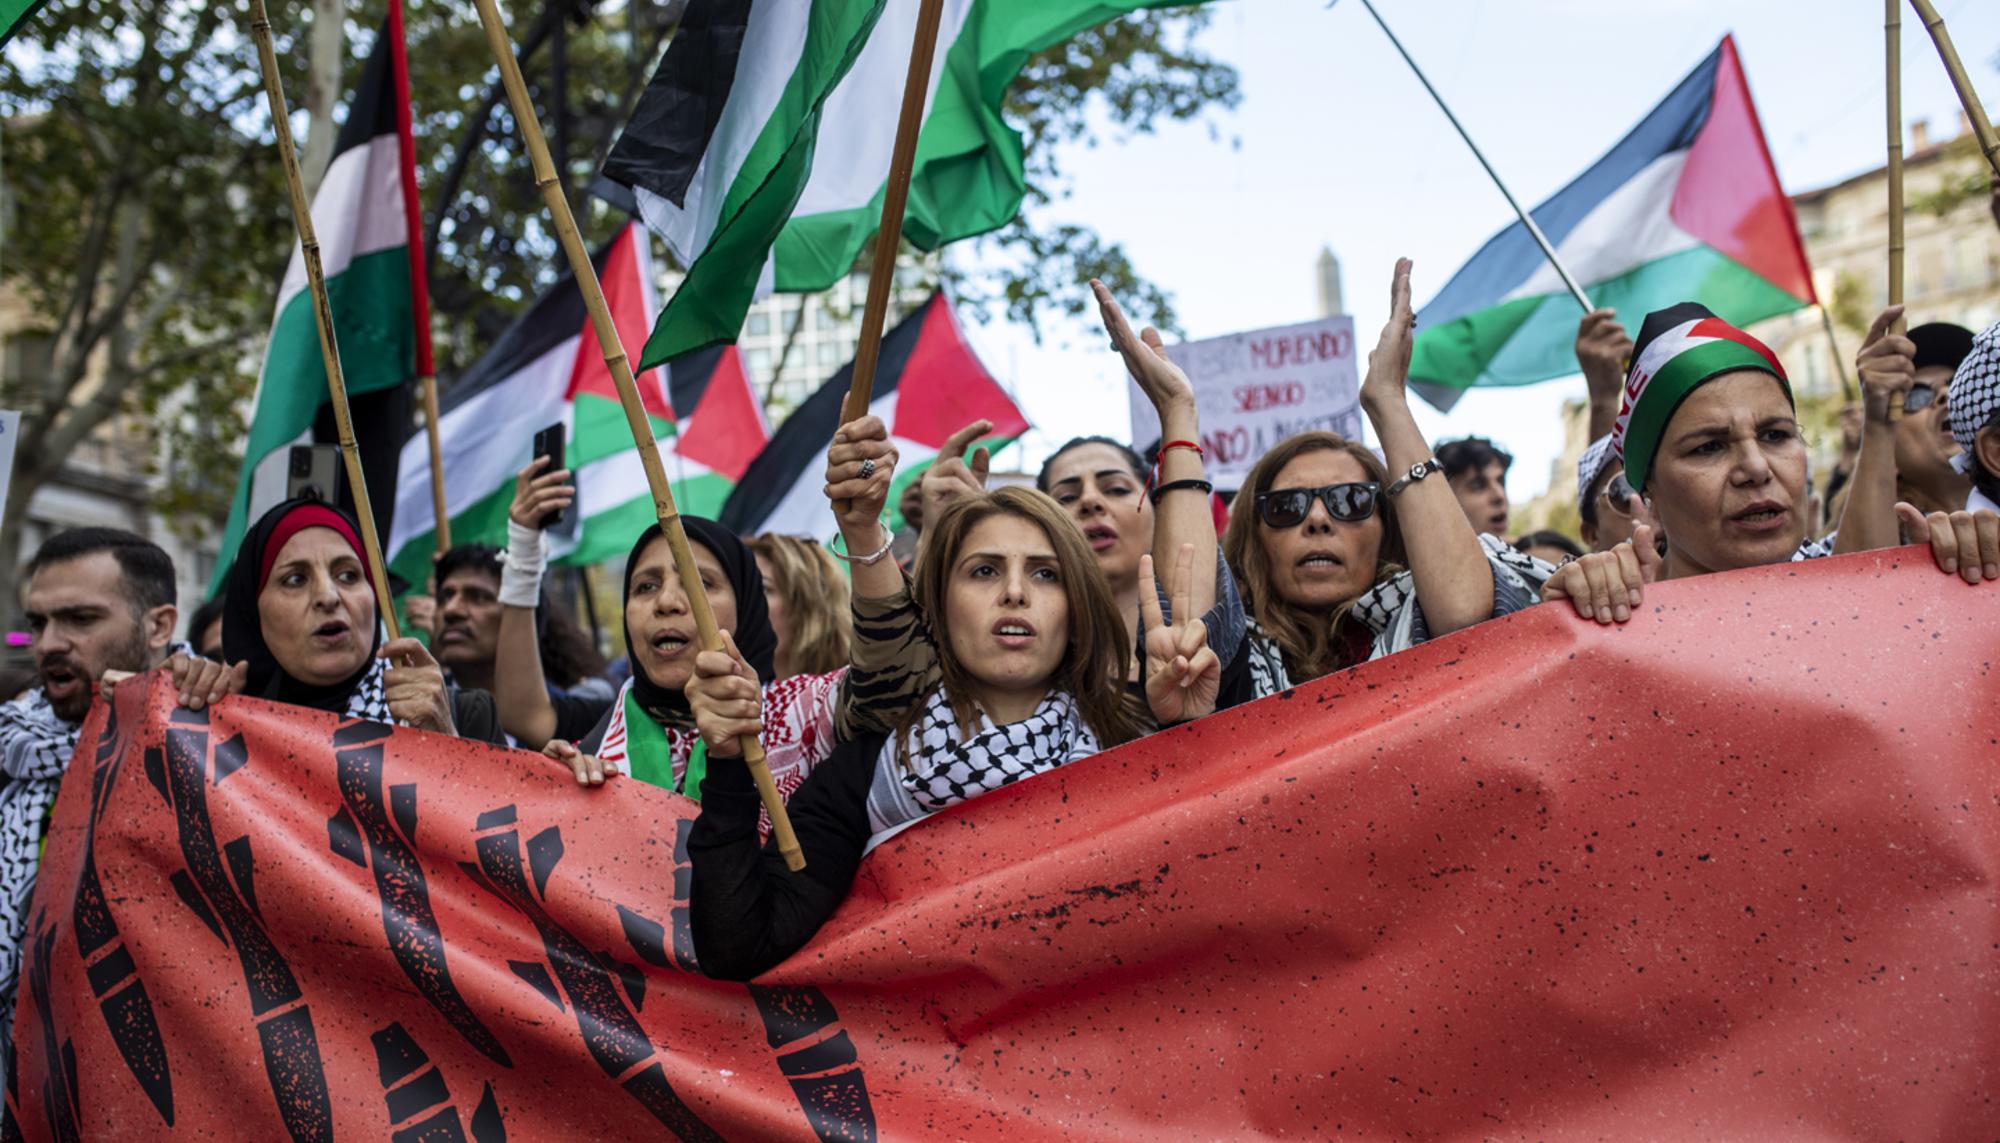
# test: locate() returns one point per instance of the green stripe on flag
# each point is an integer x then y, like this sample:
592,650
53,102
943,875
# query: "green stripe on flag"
14,13
1529,340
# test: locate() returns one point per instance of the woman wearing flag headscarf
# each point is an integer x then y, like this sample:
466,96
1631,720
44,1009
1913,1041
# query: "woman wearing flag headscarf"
1029,657
1339,563
301,617
1708,434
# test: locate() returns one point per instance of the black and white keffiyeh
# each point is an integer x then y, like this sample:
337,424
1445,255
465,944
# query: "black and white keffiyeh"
945,766
367,699
1975,395
35,747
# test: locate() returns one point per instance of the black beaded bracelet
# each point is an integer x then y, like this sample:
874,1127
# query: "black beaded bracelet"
1176,485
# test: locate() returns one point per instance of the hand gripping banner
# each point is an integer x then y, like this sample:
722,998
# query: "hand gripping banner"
1727,871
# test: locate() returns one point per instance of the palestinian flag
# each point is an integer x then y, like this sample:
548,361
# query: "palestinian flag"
928,385
369,224
547,368
814,224
12,14
1685,208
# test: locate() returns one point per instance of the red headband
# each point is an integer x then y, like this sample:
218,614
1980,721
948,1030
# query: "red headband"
298,520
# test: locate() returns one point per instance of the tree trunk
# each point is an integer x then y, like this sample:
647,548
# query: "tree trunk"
323,88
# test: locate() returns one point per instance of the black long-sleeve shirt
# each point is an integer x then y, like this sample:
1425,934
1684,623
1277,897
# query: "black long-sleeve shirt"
748,911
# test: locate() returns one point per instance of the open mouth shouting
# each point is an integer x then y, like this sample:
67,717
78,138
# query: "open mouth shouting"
332,633
1014,634
669,644
1100,536
1761,518
63,679
1320,562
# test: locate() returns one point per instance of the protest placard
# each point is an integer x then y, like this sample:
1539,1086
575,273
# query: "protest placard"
10,429
1255,389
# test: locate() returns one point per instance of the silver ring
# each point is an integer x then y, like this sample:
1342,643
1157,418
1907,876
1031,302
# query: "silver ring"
867,468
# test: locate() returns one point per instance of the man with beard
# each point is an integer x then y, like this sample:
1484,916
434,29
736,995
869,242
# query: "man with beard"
97,600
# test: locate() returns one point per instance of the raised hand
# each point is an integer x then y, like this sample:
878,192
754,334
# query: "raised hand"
725,698
1606,586
1389,362
860,465
952,475
1145,356
538,493
1887,366
1183,674
205,681
588,768
413,686
1965,544
1603,352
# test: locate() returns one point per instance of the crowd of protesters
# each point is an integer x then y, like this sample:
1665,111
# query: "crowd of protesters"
1009,631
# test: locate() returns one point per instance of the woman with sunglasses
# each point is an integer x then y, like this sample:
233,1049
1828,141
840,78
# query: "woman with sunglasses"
1607,509
1320,538
1925,475
1708,434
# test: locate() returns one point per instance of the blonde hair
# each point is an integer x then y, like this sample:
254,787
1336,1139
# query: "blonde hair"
1098,654
1305,637
815,592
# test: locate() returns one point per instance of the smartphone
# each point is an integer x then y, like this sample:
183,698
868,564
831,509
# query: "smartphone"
549,443
314,470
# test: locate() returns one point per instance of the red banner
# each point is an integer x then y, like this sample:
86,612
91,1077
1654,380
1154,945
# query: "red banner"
1727,871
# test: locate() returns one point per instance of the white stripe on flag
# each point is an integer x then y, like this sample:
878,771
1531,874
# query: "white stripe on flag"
1631,227
358,210
773,45
617,480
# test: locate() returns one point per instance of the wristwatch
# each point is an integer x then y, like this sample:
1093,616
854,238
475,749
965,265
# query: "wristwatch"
1417,472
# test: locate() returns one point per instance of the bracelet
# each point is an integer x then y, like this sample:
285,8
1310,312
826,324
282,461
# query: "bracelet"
1162,455
1189,445
1176,485
1417,472
521,569
872,558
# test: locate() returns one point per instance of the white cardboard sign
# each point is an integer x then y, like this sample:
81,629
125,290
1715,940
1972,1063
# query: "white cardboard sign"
1255,389
10,431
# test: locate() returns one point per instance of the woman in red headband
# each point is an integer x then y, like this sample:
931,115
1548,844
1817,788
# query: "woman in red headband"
301,615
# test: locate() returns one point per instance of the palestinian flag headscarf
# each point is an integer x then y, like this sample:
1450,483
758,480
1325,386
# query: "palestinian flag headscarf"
1679,348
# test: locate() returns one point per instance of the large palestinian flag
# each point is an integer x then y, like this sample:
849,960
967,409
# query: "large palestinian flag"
1685,208
705,128
928,385
547,368
368,220
12,14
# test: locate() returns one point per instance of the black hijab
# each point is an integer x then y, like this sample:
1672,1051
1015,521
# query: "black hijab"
755,637
243,628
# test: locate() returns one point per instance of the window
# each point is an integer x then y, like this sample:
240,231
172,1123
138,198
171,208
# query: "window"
760,325
758,361
829,353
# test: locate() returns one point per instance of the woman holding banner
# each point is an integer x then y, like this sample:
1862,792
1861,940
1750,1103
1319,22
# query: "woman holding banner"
1320,537
1708,434
301,615
1025,677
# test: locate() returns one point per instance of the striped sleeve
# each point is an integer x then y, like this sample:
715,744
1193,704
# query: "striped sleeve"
894,665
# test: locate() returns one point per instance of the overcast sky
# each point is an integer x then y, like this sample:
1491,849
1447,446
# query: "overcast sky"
1340,145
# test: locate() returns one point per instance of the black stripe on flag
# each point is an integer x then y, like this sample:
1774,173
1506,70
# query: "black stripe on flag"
373,112
800,443
670,129
688,376
559,315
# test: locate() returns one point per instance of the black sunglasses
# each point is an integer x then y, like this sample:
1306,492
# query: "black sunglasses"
1618,493
1288,507
1919,398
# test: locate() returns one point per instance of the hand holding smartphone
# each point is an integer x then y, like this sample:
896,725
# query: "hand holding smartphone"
550,443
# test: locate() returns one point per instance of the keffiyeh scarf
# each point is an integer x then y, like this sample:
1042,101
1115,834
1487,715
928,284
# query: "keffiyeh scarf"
939,765
35,746
367,700
1975,396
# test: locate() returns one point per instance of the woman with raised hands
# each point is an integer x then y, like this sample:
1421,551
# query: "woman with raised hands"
1709,436
1124,510
1339,563
300,623
1026,678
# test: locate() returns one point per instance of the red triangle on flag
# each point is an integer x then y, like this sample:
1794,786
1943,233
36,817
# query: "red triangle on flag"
627,293
944,386
1729,195
726,431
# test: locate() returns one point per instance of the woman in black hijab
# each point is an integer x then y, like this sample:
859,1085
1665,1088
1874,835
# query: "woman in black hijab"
301,616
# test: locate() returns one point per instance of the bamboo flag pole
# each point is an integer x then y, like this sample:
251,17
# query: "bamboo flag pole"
1892,35
428,385
1982,127
1839,366
628,396
1527,220
336,384
882,274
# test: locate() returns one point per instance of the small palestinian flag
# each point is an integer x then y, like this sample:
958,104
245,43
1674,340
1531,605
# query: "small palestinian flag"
547,368
1687,206
928,385
369,223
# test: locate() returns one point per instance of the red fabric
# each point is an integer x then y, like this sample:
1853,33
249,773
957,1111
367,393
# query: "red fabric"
1728,871
726,430
626,295
1729,195
944,387
413,203
298,520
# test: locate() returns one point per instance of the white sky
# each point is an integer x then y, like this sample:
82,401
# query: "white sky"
1339,144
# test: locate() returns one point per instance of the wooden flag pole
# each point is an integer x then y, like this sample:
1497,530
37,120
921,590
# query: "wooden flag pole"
428,386
1975,112
628,396
889,237
1527,220
1892,35
336,383
1839,366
